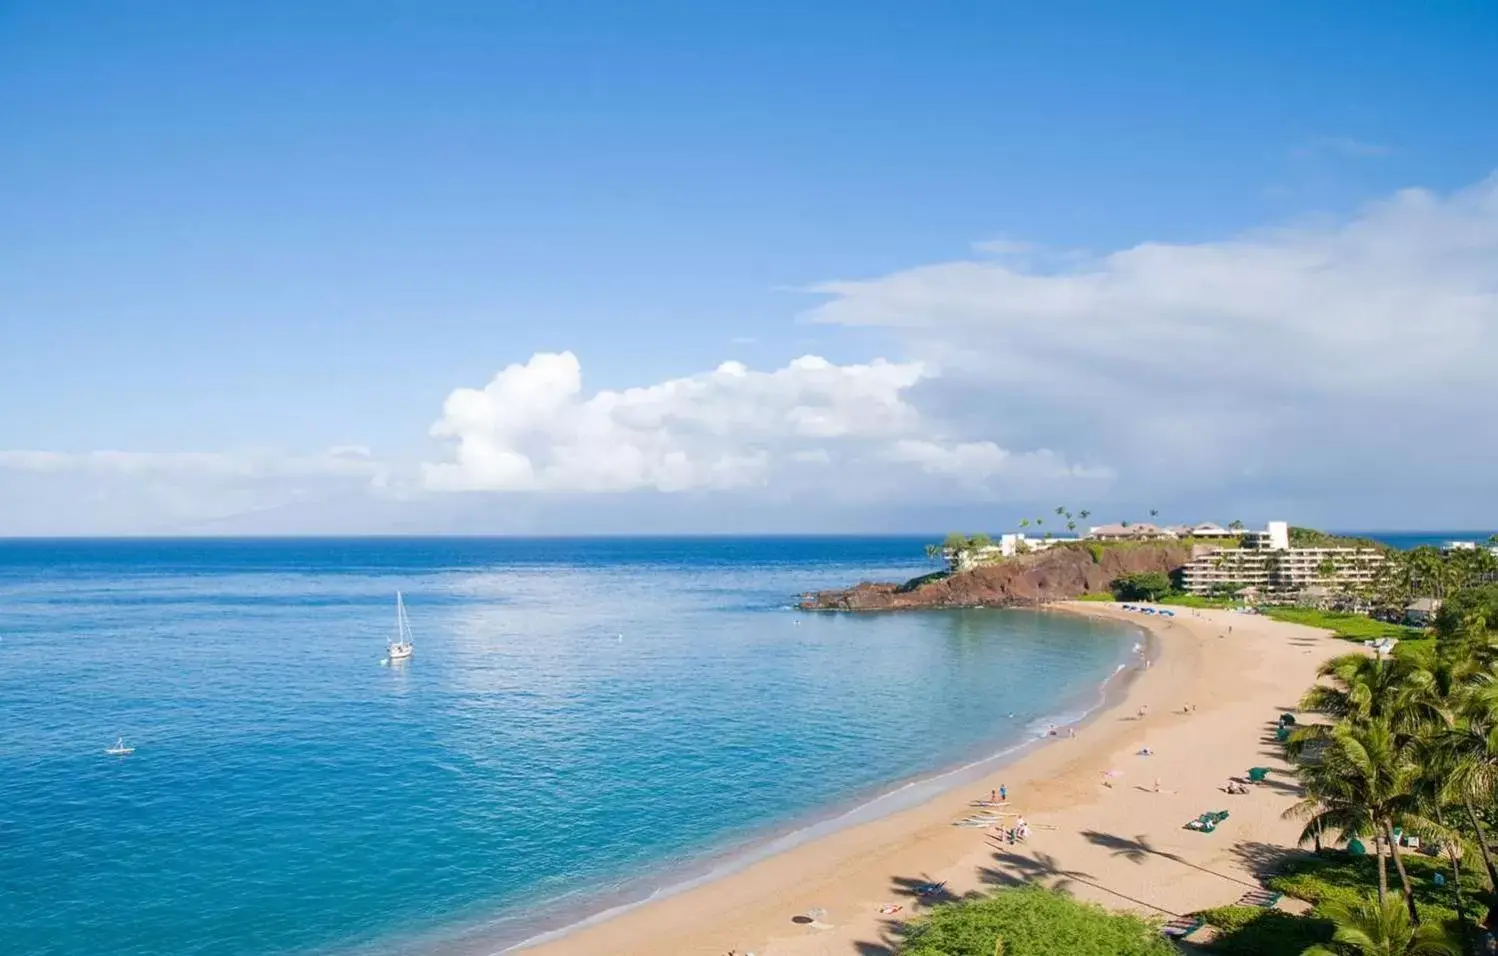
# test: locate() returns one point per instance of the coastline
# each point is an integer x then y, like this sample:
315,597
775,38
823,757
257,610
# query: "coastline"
892,798
852,871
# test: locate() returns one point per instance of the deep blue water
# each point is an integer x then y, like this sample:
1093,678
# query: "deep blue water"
1414,539
582,718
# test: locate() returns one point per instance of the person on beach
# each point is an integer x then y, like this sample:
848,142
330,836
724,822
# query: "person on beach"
1071,731
1003,792
1157,784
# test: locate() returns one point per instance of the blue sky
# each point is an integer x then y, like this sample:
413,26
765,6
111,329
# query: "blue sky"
261,232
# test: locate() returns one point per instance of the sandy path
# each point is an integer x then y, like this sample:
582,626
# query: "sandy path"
1122,846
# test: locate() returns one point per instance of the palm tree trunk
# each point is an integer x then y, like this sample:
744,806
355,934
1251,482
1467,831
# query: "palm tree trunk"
1456,892
1404,878
1482,842
1383,872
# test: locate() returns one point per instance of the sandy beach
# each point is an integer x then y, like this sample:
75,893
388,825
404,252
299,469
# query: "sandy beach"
1121,845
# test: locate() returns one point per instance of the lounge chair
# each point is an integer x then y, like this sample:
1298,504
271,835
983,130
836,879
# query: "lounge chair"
1287,720
1264,899
1258,774
1207,822
1182,927
930,889
1282,733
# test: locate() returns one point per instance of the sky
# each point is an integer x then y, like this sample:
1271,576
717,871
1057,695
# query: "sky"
666,267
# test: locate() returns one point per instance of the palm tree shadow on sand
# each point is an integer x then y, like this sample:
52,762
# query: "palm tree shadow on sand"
1139,849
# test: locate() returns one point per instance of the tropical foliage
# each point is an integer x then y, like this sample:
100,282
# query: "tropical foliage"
1031,921
1408,746
1144,586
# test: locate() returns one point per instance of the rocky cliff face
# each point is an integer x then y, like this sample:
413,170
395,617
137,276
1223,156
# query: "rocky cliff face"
1059,574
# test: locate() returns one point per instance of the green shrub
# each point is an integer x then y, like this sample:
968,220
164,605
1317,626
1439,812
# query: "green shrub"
914,583
1103,597
1032,921
1144,586
1096,550
1252,931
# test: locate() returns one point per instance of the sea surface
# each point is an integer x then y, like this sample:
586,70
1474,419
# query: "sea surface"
584,722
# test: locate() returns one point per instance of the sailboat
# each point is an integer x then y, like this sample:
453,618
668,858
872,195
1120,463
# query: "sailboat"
119,749
401,648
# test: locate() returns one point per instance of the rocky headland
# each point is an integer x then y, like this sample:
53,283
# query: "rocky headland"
1061,573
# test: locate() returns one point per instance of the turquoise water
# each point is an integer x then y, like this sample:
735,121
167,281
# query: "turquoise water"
584,721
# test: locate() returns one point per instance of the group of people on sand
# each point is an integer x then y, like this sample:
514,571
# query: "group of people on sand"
1018,833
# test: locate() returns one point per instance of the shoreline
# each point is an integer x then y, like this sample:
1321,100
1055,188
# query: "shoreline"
852,871
650,885
862,809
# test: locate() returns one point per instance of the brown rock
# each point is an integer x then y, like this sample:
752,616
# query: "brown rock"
1061,573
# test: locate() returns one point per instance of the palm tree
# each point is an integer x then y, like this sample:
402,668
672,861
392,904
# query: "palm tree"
1084,514
1364,784
1467,752
1154,512
1235,525
1374,928
1359,688
1024,522
1071,526
1060,510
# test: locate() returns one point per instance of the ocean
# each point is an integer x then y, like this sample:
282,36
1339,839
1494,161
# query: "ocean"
584,723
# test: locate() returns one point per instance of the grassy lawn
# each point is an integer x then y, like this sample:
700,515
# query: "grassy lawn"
1333,876
1196,600
1101,596
1354,627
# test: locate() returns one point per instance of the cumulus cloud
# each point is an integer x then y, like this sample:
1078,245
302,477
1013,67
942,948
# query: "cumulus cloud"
533,429
1256,356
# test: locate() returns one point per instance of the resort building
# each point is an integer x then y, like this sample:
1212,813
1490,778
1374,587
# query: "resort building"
1422,612
1129,532
1266,563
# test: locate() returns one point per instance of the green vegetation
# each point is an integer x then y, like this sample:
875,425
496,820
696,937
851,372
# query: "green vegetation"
1468,611
1311,538
1196,600
1101,597
1370,928
1346,878
1031,921
1353,627
1411,748
1427,572
1144,586
914,583
1254,931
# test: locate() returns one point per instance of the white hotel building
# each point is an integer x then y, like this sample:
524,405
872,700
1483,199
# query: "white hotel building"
1266,562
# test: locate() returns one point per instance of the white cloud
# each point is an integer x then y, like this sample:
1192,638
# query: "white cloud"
342,461
1272,354
981,460
532,429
